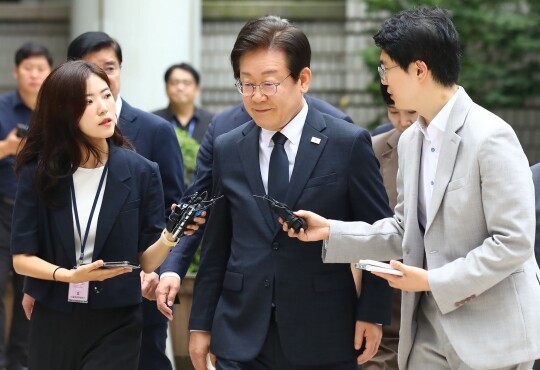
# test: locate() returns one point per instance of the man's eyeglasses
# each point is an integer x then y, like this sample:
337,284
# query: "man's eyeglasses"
186,83
266,88
382,71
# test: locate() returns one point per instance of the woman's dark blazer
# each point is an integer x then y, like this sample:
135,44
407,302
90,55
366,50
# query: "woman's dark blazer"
130,220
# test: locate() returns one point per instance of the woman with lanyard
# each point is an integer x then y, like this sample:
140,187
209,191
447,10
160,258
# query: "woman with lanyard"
84,199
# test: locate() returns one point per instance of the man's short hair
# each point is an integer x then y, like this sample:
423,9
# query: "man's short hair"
186,67
426,34
32,49
90,42
273,32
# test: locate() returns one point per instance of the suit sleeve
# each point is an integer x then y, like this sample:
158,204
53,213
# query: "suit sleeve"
370,203
167,154
536,180
215,254
151,206
180,258
24,230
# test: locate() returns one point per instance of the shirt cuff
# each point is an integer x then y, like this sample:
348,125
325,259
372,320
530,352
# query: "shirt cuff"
169,274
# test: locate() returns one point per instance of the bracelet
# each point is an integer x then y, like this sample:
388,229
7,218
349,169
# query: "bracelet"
166,241
54,272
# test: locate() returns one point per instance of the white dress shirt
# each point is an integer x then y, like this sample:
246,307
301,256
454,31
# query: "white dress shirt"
118,105
86,183
431,148
293,132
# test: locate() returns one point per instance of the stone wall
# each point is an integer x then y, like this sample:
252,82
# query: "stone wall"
47,23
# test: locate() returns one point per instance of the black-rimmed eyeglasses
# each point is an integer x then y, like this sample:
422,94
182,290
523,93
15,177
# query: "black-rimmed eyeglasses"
266,88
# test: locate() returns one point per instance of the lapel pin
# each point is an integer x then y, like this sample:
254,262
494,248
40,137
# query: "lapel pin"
315,140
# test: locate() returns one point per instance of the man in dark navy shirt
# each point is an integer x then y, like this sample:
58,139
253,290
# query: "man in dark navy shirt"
33,63
183,86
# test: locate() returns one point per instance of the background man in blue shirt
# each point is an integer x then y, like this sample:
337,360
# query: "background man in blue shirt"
33,63
183,86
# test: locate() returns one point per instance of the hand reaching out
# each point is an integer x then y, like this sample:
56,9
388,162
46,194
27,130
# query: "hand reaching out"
318,227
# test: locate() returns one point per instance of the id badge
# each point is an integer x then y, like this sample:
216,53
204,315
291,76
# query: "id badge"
78,292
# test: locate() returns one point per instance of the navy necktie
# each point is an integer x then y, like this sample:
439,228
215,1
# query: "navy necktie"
278,171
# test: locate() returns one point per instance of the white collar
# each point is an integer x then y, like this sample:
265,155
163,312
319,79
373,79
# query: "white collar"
118,104
439,122
292,130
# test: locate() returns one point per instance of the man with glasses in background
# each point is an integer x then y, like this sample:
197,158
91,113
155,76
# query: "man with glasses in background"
183,86
260,299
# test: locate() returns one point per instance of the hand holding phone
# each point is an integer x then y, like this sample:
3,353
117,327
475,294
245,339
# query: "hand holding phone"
22,130
376,266
115,264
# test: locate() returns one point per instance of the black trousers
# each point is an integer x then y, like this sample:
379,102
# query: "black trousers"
272,357
13,349
85,339
154,339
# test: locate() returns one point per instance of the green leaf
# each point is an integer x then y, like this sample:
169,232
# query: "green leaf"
190,148
501,46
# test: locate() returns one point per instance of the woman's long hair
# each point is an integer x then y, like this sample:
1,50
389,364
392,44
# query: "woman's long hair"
54,140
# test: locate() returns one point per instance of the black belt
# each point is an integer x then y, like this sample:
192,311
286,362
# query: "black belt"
8,201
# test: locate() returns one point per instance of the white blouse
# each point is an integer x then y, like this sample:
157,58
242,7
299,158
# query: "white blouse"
86,183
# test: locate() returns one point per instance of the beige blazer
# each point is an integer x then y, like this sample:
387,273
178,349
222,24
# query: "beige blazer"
385,147
478,240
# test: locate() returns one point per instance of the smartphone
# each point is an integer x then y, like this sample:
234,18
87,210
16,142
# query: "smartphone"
110,265
376,266
22,130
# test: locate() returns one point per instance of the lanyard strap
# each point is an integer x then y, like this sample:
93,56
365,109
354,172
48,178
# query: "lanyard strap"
191,126
76,213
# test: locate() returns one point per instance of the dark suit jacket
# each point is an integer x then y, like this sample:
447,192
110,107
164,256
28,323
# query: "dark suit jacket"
202,116
536,178
155,139
247,261
180,257
130,220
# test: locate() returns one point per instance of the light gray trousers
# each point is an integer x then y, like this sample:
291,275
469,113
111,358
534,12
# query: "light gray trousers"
432,350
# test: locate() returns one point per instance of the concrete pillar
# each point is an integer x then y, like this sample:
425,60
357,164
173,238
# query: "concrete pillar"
358,36
153,35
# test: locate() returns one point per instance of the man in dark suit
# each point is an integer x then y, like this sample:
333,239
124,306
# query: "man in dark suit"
175,267
536,179
264,301
183,86
154,139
